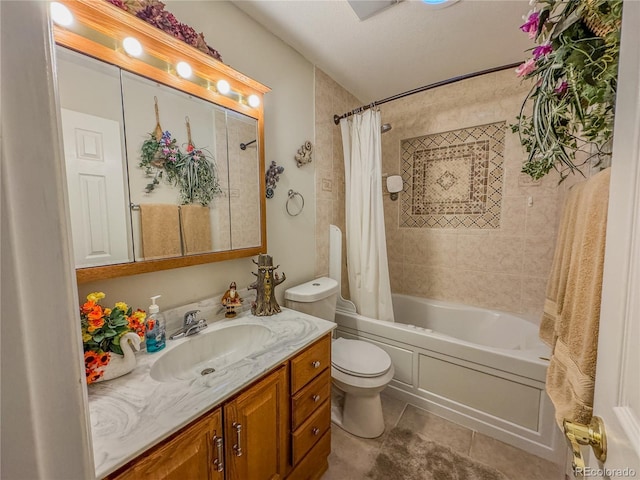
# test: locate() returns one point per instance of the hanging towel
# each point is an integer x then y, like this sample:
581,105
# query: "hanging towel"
572,308
160,226
195,221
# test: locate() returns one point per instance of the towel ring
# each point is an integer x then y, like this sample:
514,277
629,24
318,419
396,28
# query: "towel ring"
291,195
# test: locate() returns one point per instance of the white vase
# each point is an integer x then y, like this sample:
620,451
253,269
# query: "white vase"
122,364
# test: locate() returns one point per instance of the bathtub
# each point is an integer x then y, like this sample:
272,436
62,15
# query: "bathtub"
479,368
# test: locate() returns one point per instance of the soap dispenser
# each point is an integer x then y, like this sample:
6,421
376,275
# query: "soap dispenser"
155,331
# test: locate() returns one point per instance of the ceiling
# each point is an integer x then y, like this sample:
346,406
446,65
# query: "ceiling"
405,46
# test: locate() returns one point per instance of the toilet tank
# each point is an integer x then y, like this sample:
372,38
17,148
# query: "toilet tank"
317,297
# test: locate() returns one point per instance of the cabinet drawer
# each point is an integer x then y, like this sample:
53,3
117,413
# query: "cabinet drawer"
314,464
311,431
310,363
310,397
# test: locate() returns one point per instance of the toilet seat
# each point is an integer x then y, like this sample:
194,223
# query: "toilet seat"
359,358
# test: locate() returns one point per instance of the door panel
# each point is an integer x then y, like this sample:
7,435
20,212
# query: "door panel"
95,180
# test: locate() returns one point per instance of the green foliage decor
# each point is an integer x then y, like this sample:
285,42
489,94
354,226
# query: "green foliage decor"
574,68
193,172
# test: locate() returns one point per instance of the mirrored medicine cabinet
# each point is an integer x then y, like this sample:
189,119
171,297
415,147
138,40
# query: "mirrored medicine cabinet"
206,203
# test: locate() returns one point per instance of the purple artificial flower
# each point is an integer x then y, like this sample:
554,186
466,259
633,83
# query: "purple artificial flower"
165,151
526,68
562,88
118,3
542,50
532,24
188,34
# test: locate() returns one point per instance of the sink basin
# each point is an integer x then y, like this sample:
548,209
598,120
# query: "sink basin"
210,352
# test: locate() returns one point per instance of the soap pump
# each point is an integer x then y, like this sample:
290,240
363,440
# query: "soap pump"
155,331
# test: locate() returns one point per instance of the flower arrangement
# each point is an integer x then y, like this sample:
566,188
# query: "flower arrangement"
194,172
158,156
574,68
153,12
102,329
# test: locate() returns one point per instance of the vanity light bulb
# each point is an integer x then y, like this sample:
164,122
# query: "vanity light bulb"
223,87
60,14
132,46
254,101
184,69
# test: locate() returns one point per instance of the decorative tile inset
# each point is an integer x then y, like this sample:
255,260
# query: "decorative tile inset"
455,178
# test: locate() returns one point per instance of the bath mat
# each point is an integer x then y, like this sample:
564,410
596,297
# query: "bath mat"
408,456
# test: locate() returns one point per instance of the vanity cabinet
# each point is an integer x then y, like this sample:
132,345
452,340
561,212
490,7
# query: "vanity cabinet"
252,443
311,411
193,453
277,428
256,430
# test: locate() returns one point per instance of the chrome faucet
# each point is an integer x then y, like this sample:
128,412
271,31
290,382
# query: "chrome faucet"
190,326
190,318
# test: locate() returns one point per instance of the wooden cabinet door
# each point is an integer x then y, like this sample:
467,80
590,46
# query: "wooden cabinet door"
256,430
191,454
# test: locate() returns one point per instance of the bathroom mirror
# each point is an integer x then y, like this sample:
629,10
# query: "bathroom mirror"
123,222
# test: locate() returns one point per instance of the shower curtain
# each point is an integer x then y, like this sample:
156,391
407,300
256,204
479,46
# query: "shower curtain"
366,243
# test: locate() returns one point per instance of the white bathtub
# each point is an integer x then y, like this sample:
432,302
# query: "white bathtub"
480,368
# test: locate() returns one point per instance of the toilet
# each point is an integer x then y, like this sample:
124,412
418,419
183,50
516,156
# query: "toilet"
359,369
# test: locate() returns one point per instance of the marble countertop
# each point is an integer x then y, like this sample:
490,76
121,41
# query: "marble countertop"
134,412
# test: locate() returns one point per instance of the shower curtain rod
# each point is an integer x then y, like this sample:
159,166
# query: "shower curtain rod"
337,118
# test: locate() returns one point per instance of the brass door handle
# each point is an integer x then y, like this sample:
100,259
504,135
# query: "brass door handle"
578,434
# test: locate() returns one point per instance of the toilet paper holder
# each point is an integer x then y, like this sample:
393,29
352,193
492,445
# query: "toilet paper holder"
394,185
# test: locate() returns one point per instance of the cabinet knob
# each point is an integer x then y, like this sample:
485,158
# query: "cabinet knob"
315,398
316,364
315,431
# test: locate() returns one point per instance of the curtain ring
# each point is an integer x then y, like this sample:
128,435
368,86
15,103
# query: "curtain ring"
291,195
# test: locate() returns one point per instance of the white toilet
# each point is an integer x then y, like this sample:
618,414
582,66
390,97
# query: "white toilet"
359,369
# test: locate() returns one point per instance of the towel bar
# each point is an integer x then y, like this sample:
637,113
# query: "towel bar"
291,194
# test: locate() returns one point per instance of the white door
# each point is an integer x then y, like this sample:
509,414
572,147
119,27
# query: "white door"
95,180
617,395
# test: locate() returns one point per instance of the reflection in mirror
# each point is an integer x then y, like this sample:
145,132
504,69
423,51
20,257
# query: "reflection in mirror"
93,134
163,226
120,215
244,170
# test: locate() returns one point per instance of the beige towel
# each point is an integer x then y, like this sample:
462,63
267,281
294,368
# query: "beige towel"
572,307
160,226
195,221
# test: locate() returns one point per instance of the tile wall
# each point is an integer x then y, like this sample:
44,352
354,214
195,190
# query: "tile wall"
503,267
330,99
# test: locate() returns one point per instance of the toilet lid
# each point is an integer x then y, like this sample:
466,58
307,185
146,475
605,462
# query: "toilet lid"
358,358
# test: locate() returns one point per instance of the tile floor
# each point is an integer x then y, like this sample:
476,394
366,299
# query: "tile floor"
352,457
